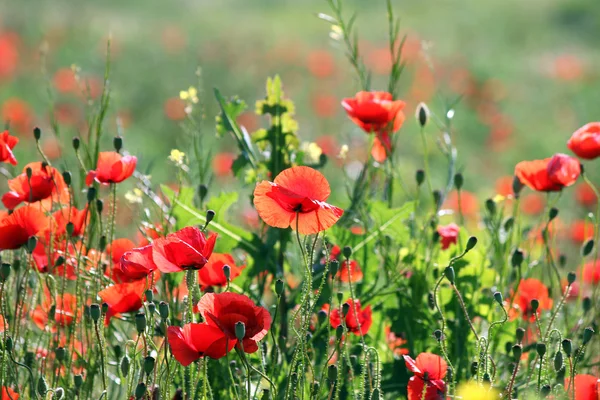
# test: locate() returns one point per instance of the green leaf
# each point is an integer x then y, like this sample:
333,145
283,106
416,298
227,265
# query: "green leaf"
388,220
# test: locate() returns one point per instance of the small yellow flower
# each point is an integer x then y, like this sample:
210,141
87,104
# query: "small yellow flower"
474,391
498,198
177,157
190,95
134,196
343,152
312,152
336,32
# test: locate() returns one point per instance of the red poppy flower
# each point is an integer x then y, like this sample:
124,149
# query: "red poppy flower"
7,143
296,197
395,342
356,316
591,272
64,313
185,249
429,372
587,387
197,340
224,310
134,264
112,167
9,394
222,163
45,258
448,234
45,183
528,290
18,114
585,141
355,274
582,230
585,195
375,111
123,297
212,274
550,174
18,227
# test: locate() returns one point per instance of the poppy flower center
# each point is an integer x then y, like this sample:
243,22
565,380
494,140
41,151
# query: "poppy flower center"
291,201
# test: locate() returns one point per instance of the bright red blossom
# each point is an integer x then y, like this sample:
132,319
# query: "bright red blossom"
448,234
528,290
123,297
354,275
45,183
18,227
585,141
64,313
224,310
212,274
587,387
9,394
197,340
112,167
297,199
7,143
591,273
550,174
358,320
429,372
135,264
185,249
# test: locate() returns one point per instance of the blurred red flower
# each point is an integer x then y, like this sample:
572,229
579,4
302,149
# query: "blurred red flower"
448,234
193,341
320,63
585,195
296,197
45,183
185,249
224,310
7,143
355,274
123,297
18,114
112,167
324,105
585,141
591,272
175,109
587,387
530,289
65,82
532,204
395,342
9,54
504,186
582,230
222,163
358,320
9,394
61,217
212,273
18,227
550,174
429,372
65,307
469,204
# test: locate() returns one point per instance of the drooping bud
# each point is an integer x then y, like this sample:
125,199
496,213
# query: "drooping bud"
545,390
99,206
535,304
587,248
67,177
202,191
490,206
240,330
149,362
558,361
517,186
78,381
163,310
420,177
31,244
124,365
450,275
4,272
322,317
587,304
91,194
438,335
459,180
567,347
140,391
472,242
59,393
498,298
339,332
571,276
553,213
437,198
210,215
345,309
42,386
140,322
587,335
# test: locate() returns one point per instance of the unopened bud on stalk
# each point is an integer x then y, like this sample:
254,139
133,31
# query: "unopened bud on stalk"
95,312
240,330
61,353
347,251
535,304
340,296
437,198
118,143
553,213
333,267
102,243
332,373
124,365
99,206
587,335
322,317
508,224
151,308
422,114
517,186
163,310
37,133
31,243
4,272
545,390
149,295
517,351
78,381
76,142
202,191
9,344
487,378
472,242
345,309
520,334
149,362
52,312
140,391
438,335
541,349
587,247
517,258
67,177
420,177
104,307
558,361
498,298
227,272
490,206
450,275
587,304
339,332
91,194
42,386
567,347
59,393
140,322
279,286
459,180
474,367
210,214
571,276
70,228
562,260
266,394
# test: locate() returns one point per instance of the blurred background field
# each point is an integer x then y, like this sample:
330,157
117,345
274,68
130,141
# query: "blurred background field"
527,72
